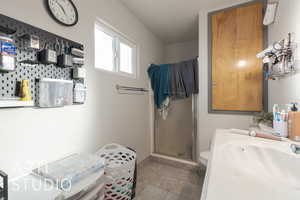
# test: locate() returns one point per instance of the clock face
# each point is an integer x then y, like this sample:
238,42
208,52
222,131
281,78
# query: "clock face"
63,11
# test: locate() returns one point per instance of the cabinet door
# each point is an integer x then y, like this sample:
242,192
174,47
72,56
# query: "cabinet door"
237,75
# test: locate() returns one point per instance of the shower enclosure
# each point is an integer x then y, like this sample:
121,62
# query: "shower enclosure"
176,136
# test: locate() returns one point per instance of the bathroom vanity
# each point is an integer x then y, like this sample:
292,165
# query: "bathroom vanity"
244,167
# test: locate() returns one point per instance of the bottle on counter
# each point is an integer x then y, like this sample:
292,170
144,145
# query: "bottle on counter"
294,123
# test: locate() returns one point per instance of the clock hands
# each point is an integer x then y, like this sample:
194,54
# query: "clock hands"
62,8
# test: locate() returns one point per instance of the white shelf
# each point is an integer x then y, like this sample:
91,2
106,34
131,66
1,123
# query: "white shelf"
15,103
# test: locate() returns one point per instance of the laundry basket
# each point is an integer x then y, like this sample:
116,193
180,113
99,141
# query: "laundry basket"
120,166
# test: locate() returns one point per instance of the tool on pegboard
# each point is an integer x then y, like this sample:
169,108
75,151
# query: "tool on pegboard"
8,53
25,91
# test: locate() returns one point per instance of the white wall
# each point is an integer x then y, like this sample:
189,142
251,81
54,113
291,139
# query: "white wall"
286,90
181,51
208,123
42,135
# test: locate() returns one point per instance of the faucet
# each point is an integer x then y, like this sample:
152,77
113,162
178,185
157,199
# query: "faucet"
295,148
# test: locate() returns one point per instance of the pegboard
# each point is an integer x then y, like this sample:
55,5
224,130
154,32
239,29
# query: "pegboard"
31,72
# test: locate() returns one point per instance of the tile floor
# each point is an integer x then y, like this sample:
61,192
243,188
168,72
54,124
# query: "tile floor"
159,181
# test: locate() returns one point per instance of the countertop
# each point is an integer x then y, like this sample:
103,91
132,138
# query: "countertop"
244,167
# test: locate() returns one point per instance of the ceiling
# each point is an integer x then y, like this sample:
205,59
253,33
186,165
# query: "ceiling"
171,20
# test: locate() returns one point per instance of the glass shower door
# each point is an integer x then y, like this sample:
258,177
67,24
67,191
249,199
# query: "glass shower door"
175,136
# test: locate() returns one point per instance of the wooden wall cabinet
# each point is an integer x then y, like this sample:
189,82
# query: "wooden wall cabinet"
236,76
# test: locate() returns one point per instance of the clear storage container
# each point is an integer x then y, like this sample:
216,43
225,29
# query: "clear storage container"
80,93
8,53
55,93
71,170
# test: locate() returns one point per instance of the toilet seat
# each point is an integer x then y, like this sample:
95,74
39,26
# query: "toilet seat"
204,156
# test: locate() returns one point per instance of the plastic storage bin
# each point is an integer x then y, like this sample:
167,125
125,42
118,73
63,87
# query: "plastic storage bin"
55,93
8,53
80,93
70,170
119,169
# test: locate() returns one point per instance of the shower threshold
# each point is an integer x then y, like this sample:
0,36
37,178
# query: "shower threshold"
187,164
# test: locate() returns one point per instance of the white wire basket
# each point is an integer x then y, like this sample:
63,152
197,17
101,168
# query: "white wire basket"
119,170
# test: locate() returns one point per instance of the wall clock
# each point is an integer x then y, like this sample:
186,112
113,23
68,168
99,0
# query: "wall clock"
63,11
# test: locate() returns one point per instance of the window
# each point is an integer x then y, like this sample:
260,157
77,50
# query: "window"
104,50
113,52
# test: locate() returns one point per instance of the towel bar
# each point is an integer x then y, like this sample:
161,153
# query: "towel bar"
131,89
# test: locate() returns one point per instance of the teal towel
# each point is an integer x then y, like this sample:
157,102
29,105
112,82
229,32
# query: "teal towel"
160,82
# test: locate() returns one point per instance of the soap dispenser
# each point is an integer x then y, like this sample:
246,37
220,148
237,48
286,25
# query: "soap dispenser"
294,107
294,123
4,187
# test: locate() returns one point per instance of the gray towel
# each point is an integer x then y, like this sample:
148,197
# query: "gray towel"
178,90
184,79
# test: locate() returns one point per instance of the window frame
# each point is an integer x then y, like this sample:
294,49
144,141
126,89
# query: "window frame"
118,38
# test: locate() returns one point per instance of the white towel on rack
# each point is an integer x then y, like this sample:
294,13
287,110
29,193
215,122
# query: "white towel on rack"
164,110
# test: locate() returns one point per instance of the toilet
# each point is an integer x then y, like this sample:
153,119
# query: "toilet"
203,158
